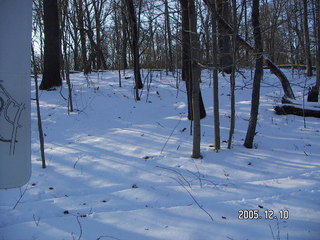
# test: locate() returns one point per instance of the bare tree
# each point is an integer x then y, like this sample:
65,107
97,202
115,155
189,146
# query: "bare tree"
233,74
195,79
124,41
169,37
225,60
133,25
307,38
40,130
258,74
78,4
187,61
191,69
212,5
65,37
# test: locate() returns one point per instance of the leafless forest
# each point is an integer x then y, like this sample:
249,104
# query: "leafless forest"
222,35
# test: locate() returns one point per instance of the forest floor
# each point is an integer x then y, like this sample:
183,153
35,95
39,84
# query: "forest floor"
121,169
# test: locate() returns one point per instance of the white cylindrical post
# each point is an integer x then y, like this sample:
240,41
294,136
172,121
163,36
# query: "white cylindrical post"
15,40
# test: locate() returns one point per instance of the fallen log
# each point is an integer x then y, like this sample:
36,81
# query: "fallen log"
285,109
292,66
291,106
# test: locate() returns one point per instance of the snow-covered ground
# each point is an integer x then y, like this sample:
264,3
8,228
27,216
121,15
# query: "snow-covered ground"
120,169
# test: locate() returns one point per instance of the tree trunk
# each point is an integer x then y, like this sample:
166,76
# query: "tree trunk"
186,61
195,78
134,46
117,40
40,130
75,39
124,37
225,59
307,38
51,73
233,75
215,77
166,7
66,53
258,74
101,62
297,110
317,10
80,14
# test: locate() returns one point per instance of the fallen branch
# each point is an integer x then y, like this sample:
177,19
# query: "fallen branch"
285,109
291,106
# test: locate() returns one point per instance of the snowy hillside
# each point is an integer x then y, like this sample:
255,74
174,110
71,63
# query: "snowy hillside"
120,169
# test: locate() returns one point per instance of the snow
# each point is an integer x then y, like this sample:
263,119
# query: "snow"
120,169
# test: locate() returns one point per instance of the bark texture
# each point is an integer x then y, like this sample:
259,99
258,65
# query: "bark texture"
186,62
258,74
132,19
51,72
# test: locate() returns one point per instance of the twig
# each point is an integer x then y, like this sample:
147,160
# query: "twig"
99,238
79,227
62,94
36,221
175,171
170,135
271,232
198,175
21,196
278,232
193,198
74,165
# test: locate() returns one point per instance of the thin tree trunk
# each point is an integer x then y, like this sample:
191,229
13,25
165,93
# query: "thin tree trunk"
215,77
41,138
232,76
317,10
307,38
134,46
246,34
75,39
186,53
195,79
67,72
101,62
79,8
66,54
124,36
258,74
166,7
117,32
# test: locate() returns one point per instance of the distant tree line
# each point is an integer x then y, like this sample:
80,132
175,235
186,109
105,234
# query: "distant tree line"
98,33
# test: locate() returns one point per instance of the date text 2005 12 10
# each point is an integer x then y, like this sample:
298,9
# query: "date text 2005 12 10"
266,214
